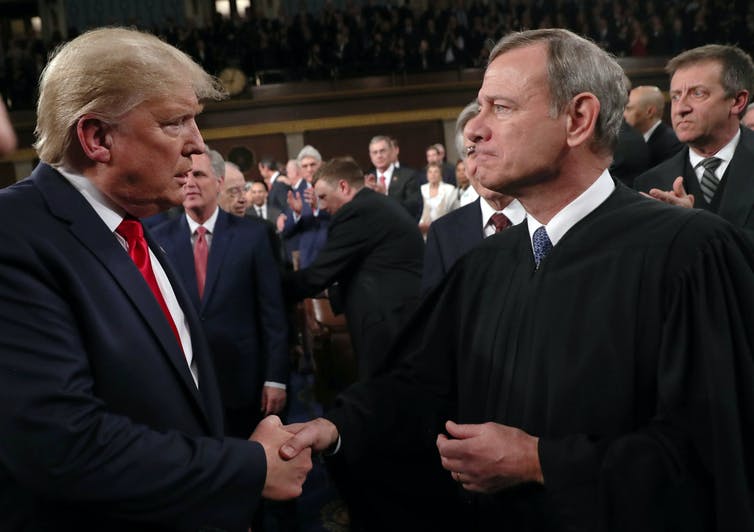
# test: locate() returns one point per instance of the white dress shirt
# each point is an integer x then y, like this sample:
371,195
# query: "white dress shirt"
725,154
112,216
514,211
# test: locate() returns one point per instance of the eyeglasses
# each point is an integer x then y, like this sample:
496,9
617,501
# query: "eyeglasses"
235,192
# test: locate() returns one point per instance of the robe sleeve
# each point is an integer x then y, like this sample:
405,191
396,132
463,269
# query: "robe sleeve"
692,466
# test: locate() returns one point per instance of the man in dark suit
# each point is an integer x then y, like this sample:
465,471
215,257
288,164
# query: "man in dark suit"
631,155
709,90
259,207
399,183
644,111
111,417
374,251
236,292
278,188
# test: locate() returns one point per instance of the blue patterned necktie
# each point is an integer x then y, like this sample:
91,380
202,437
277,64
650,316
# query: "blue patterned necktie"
541,245
709,180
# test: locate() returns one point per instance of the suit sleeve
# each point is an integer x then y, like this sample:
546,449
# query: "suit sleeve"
434,267
348,239
271,307
61,441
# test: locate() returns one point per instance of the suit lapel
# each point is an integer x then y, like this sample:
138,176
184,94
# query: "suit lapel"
738,194
86,226
221,239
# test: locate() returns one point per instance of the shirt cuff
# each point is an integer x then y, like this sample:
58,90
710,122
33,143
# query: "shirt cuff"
271,384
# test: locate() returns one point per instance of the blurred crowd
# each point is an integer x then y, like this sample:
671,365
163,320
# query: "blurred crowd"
370,38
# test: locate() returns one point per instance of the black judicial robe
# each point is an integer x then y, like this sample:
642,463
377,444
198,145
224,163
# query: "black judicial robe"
629,353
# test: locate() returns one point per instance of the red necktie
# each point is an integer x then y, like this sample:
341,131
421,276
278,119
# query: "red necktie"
382,182
133,232
500,221
201,252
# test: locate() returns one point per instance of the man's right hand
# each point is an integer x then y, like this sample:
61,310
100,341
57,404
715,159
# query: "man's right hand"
285,478
295,202
319,435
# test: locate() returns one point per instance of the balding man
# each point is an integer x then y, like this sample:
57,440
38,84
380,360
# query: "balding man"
233,191
644,112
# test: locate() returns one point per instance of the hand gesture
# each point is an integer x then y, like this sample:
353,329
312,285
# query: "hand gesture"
273,400
280,222
677,196
319,435
310,197
284,477
489,457
294,202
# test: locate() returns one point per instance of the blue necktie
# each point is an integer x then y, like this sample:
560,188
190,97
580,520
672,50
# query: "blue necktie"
541,244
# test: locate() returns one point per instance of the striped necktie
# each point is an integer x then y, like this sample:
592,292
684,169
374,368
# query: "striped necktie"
709,182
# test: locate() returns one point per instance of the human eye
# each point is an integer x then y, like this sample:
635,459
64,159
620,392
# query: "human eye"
699,92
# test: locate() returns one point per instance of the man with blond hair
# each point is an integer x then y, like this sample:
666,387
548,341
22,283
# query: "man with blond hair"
111,417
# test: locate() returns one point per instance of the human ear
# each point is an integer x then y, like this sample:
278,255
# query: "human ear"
95,138
581,118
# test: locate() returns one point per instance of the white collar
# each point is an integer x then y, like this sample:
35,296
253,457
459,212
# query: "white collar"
209,224
514,211
110,213
725,154
575,211
651,130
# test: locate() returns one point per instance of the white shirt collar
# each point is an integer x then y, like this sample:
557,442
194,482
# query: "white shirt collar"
725,154
209,224
575,211
514,211
274,177
110,213
651,130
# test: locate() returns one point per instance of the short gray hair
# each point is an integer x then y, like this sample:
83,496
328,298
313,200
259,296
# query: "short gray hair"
576,65
216,161
468,112
308,151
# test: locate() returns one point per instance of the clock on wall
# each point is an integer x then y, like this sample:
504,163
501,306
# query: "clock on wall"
233,79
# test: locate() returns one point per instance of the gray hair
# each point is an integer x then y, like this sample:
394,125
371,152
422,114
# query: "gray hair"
576,65
468,112
79,80
308,151
217,162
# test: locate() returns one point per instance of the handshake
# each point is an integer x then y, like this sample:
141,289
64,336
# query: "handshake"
288,449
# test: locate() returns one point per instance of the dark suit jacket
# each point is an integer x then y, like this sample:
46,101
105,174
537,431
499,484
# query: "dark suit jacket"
449,238
663,144
405,188
272,212
102,425
278,195
734,200
374,251
242,309
292,238
631,156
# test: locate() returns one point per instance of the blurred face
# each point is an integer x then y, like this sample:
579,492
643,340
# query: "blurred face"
703,116
433,156
434,175
309,165
518,143
331,198
258,194
150,154
202,189
232,198
461,178
635,111
379,153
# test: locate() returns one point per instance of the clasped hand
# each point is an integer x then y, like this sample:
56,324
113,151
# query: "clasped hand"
489,457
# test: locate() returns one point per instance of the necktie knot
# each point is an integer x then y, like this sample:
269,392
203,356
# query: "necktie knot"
131,230
709,181
201,231
499,221
541,245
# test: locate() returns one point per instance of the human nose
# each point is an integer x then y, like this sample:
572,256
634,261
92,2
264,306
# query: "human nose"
476,130
194,142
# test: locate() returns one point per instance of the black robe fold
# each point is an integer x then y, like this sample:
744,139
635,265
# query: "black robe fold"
629,353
